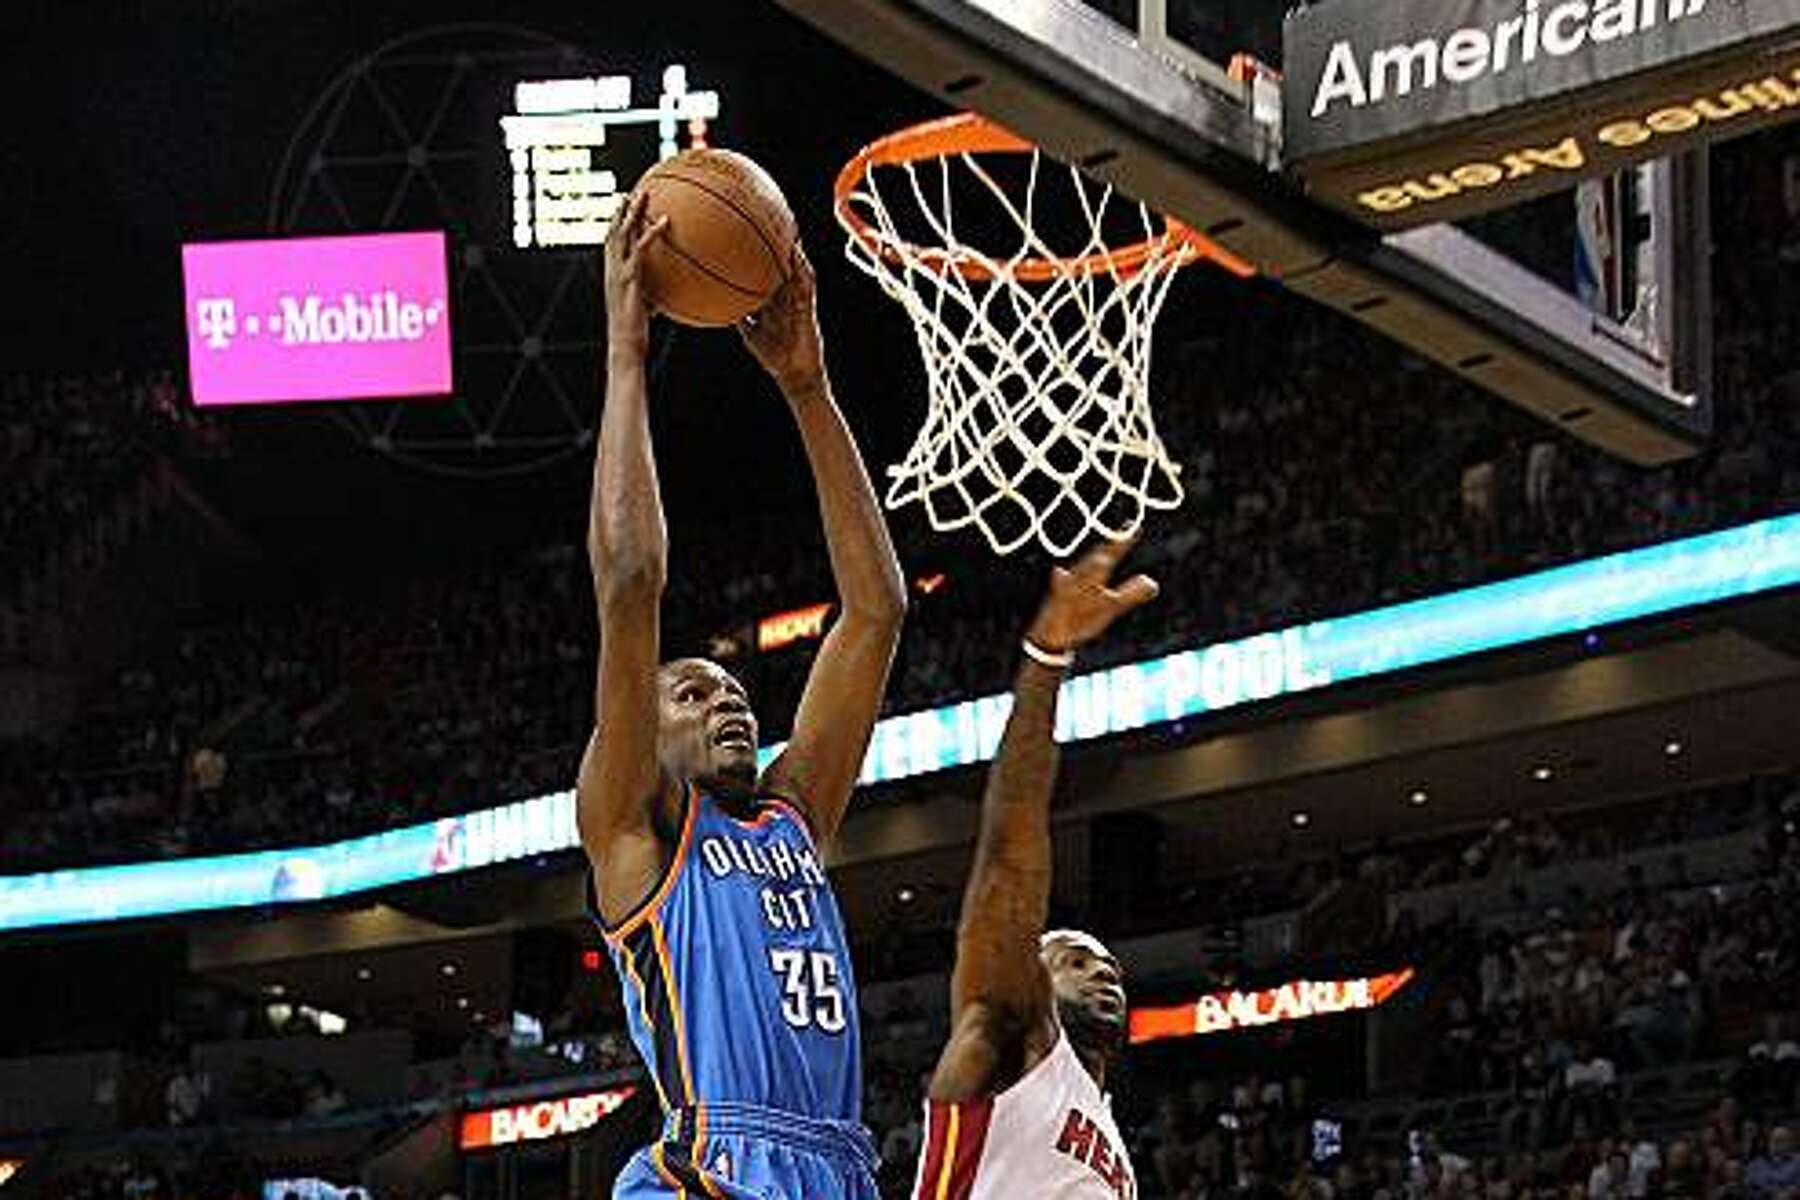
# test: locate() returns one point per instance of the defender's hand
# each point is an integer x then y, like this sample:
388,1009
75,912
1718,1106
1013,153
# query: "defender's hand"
784,334
1082,602
627,310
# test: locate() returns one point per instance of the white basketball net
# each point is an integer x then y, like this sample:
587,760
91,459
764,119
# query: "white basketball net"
1039,423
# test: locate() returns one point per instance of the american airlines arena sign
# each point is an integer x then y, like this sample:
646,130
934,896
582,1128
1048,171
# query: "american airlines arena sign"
1409,112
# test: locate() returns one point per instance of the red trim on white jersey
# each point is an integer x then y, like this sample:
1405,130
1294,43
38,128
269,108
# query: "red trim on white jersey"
1050,1136
955,1135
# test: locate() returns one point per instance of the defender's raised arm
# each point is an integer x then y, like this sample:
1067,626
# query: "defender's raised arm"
1002,1016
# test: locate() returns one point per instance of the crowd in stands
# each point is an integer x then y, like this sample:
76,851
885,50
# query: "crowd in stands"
1512,848
60,460
1551,1009
1548,1008
1326,470
79,456
1257,1144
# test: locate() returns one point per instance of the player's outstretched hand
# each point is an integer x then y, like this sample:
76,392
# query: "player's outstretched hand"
627,309
1082,602
784,334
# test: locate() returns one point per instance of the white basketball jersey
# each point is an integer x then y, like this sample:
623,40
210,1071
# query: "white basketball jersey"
1050,1136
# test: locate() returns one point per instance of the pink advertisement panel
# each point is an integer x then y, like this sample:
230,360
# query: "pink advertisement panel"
334,318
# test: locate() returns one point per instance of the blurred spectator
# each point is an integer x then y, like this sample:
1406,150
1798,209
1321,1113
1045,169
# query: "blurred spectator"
183,1098
1775,1174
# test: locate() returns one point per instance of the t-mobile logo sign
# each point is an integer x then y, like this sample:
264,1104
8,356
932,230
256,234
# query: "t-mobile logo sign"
314,321
218,321
318,318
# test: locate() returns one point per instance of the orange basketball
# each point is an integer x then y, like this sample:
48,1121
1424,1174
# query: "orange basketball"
729,242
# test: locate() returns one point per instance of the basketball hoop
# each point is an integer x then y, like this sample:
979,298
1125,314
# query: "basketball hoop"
1038,422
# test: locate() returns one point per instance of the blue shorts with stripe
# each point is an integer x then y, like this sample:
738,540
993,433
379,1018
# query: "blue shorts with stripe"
744,1152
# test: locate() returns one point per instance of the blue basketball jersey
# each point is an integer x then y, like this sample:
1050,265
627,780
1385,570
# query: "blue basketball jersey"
736,973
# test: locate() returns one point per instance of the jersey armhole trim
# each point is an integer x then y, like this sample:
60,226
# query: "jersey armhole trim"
654,901
1040,1065
778,801
994,1093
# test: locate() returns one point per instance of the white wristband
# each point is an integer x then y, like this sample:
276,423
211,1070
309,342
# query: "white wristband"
1048,658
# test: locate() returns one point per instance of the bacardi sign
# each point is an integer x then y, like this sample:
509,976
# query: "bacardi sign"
784,629
540,1120
1221,1012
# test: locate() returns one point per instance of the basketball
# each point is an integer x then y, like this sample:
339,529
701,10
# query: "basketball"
729,241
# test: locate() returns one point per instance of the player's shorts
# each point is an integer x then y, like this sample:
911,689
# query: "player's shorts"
746,1152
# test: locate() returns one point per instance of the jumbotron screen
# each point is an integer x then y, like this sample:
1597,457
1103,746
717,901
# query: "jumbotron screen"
330,318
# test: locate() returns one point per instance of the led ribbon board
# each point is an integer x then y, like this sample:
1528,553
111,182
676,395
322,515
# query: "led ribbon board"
1746,561
1411,112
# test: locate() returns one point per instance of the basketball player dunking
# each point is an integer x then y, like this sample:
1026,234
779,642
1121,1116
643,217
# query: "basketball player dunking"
709,882
1017,1104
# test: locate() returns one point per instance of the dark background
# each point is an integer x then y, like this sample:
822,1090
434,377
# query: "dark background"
135,127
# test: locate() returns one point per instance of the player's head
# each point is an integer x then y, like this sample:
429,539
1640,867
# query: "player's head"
1089,987
707,732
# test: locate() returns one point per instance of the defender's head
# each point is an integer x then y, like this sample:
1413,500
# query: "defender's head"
707,732
1089,987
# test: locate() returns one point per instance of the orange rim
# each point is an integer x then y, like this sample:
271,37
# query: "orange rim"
972,133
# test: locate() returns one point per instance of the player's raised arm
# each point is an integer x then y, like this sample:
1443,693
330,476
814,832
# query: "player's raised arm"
620,782
843,693
1001,1007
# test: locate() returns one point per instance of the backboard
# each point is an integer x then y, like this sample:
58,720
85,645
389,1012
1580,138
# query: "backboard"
1144,94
